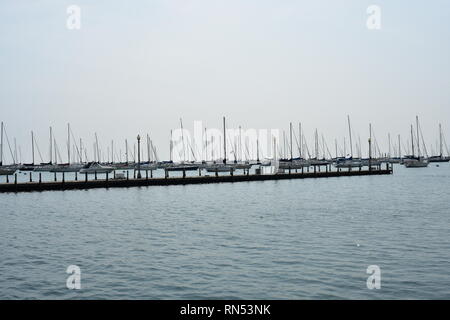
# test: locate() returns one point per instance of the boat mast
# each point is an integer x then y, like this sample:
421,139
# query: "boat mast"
68,143
96,147
170,147
257,150
399,148
345,148
51,144
182,139
300,135
389,138
54,150
370,146
418,137
440,141
32,146
412,140
350,134
290,134
126,151
224,143
148,148
274,149
213,146
206,145
336,147
1,146
240,144
81,151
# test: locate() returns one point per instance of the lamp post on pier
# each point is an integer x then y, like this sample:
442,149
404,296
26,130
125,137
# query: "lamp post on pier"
139,157
370,147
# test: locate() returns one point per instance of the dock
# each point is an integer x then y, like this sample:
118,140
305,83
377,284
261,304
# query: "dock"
82,184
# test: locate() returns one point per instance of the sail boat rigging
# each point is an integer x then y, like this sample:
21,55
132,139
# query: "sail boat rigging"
414,161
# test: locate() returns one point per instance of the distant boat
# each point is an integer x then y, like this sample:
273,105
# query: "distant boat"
7,171
147,166
296,163
44,167
182,167
27,167
242,165
318,162
348,163
395,160
124,165
164,164
220,167
373,162
414,161
440,157
95,167
66,167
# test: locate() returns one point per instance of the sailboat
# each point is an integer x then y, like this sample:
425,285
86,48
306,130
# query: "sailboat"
294,163
29,166
415,161
182,166
316,161
47,167
440,157
221,167
241,164
68,167
5,170
150,164
348,162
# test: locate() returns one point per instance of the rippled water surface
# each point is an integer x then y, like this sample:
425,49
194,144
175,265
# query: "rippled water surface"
293,239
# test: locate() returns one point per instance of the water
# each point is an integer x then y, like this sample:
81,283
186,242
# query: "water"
293,239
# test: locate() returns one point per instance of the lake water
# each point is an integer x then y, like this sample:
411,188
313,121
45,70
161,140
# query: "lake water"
291,239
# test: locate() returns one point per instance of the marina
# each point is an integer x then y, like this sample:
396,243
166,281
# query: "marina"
290,158
113,182
224,159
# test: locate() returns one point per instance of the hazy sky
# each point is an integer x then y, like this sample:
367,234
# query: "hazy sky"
138,66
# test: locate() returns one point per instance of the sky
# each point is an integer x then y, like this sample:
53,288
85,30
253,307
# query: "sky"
138,67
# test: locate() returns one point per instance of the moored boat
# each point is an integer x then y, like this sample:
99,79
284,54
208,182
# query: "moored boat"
219,167
182,167
66,167
7,170
95,167
414,161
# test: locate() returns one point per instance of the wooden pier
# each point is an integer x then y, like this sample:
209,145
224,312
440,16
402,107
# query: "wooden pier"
148,181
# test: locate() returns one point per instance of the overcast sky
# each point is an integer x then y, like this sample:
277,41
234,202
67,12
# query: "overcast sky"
138,66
